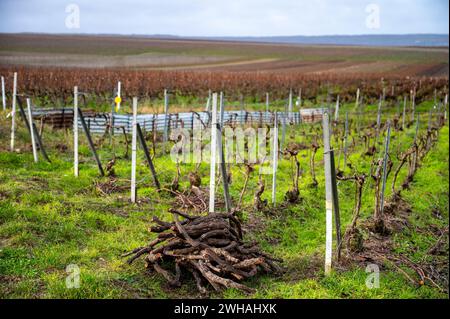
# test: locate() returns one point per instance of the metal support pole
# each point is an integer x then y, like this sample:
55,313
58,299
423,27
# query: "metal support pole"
3,94
75,131
147,156
275,159
212,176
133,151
90,142
386,156
13,112
328,194
33,142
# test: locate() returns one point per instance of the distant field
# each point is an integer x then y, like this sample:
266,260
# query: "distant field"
147,53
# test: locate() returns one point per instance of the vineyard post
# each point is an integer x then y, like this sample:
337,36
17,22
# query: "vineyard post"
208,101
379,117
32,127
336,112
337,216
345,141
13,111
212,172
30,120
275,159
413,104
386,155
300,98
357,100
166,111
404,113
90,142
267,102
119,94
430,114
445,106
133,151
3,94
328,193
222,109
223,170
283,132
290,103
147,156
417,128
414,157
75,131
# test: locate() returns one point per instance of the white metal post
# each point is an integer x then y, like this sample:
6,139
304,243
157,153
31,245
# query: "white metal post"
13,112
267,102
133,151
221,110
166,112
413,104
275,159
119,94
75,131
445,106
30,121
328,194
290,103
404,112
357,100
212,175
336,112
300,98
3,94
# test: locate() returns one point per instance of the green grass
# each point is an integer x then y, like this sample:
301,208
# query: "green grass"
50,219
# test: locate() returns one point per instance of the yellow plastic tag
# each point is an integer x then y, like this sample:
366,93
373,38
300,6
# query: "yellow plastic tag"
118,99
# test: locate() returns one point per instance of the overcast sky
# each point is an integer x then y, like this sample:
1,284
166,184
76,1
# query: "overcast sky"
226,17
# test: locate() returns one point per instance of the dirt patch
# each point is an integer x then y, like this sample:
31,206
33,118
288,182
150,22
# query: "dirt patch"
380,249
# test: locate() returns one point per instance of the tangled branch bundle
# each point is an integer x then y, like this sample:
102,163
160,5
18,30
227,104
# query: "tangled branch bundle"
210,248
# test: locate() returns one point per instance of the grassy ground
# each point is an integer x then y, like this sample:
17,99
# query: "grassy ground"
50,219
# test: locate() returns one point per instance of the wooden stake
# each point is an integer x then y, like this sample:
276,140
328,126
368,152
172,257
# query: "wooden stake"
133,151
33,142
13,112
75,131
212,176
